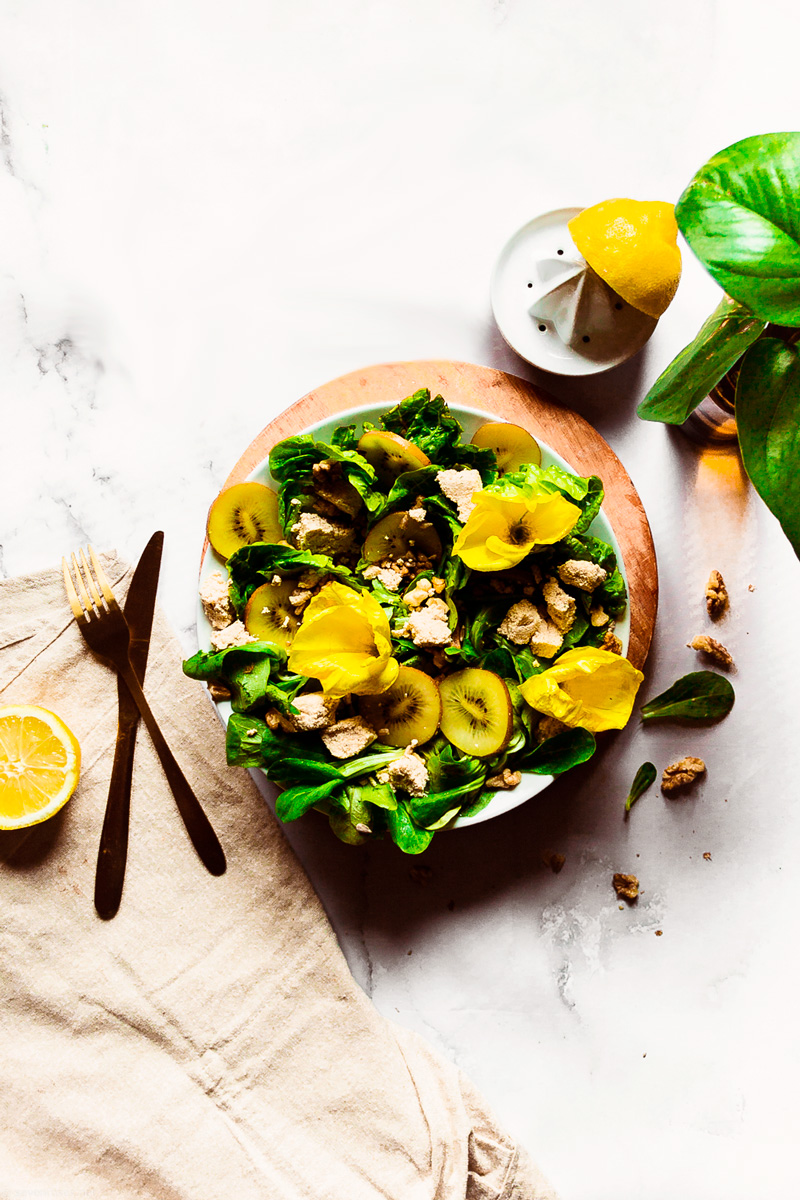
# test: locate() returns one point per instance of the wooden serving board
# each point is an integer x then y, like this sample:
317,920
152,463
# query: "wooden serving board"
508,398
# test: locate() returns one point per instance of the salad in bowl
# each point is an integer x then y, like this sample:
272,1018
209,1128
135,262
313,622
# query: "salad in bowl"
406,629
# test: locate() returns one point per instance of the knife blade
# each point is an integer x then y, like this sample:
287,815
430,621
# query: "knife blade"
113,852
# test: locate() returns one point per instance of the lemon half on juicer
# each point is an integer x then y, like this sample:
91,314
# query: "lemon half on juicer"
633,246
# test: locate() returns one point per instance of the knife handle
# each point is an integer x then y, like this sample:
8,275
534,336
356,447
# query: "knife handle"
113,853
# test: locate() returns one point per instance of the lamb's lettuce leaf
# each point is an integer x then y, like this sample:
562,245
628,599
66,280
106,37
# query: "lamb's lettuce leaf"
254,565
428,423
255,675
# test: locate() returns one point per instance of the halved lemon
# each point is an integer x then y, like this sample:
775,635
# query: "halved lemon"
633,245
40,762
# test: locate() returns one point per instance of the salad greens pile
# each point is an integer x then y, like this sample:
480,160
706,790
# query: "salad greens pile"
353,793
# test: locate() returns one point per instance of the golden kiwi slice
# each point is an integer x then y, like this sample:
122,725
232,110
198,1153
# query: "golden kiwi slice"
400,535
476,711
269,616
241,515
513,446
410,710
390,455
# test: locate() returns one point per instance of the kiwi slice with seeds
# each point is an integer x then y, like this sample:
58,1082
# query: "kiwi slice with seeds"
241,515
390,455
410,709
476,711
401,536
269,616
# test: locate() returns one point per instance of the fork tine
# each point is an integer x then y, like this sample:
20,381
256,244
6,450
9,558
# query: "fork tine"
90,581
72,595
84,595
105,586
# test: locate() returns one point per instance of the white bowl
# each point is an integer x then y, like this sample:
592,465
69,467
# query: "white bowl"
470,418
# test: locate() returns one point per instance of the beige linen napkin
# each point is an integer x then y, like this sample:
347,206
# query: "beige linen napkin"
210,1041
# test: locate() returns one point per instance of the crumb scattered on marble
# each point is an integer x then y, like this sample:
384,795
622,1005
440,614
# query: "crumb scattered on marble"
554,861
712,649
626,886
682,773
659,932
707,856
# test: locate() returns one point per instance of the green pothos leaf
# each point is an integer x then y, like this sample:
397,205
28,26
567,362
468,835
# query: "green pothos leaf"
741,216
768,422
698,368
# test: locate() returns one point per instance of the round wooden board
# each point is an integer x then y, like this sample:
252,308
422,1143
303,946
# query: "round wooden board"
508,398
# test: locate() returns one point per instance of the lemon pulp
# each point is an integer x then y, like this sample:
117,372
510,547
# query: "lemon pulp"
40,761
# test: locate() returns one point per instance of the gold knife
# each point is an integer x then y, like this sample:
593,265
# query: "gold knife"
113,852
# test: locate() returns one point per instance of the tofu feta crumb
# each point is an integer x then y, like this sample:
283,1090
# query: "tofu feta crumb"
388,576
409,773
582,574
232,635
560,605
428,627
460,487
216,601
321,536
314,711
349,737
520,622
547,640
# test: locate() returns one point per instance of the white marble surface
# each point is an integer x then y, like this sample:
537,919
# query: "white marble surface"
204,212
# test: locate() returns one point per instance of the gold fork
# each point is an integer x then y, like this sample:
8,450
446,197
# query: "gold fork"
105,629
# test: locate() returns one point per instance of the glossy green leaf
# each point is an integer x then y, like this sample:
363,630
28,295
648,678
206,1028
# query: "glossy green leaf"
698,696
768,421
642,780
741,217
698,368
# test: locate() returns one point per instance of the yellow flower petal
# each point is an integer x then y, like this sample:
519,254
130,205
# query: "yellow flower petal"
586,687
345,643
501,530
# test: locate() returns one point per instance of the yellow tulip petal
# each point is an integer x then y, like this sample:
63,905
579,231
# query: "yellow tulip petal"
502,529
586,687
344,641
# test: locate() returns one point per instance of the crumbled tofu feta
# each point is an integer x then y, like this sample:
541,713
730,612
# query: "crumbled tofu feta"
321,536
388,576
520,622
560,605
409,773
577,572
348,737
598,616
428,627
314,711
460,487
332,485
508,779
300,597
216,601
218,691
547,640
417,514
438,584
231,635
276,580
